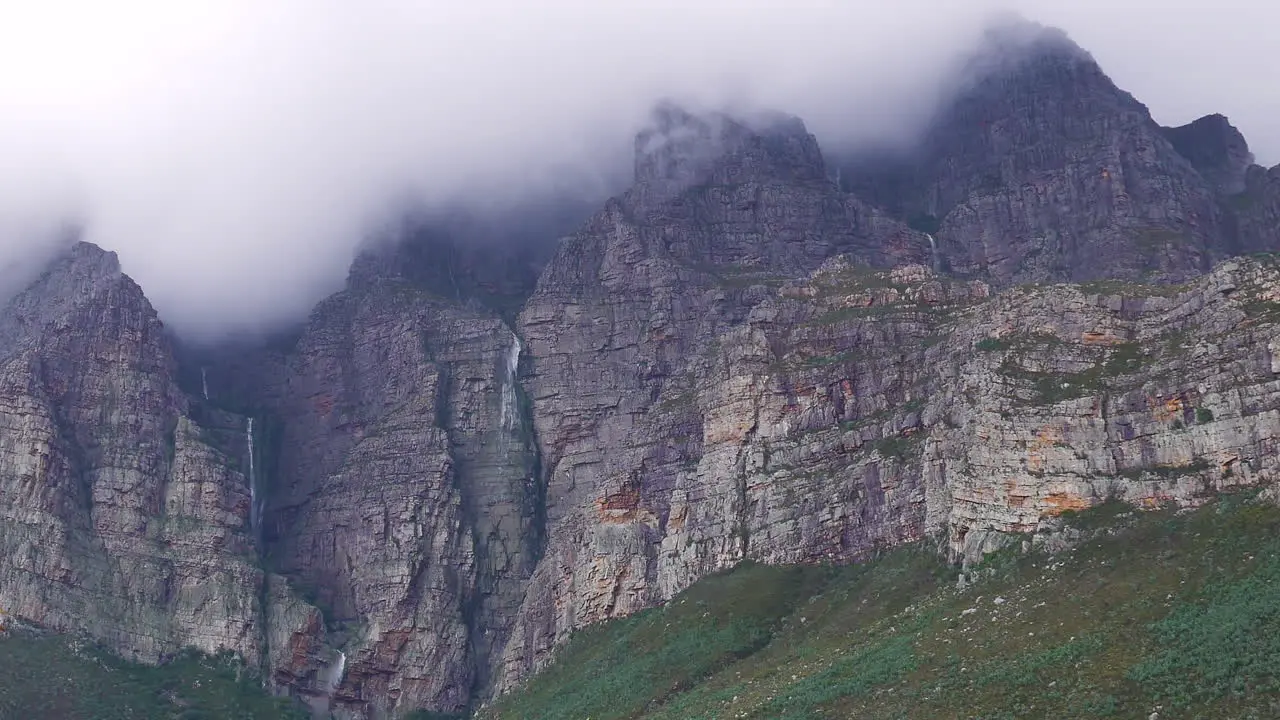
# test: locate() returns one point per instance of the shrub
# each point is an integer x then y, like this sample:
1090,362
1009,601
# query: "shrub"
1228,645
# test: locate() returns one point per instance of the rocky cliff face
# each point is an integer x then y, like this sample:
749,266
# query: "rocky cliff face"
406,496
855,410
1248,194
1216,149
122,516
1041,165
418,496
1257,210
622,320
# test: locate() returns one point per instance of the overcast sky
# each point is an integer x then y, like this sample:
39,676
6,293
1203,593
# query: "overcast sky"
234,152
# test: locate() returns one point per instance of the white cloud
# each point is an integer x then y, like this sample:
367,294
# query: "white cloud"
234,153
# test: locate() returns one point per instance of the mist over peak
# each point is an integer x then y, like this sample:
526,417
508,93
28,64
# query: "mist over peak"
238,156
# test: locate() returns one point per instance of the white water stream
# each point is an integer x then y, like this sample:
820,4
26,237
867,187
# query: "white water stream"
510,413
334,673
255,508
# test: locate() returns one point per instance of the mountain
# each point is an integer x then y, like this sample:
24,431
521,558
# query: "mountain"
125,512
1041,169
623,326
1216,150
494,437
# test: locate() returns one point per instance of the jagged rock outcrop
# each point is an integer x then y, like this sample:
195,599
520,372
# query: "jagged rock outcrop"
1248,194
1040,167
1079,394
1216,150
121,518
1257,211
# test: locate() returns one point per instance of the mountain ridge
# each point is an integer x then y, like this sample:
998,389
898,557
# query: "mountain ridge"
451,468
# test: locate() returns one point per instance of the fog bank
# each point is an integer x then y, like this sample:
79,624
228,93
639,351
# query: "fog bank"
235,153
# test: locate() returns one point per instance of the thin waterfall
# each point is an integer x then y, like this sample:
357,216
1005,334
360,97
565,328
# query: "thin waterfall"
334,673
933,252
204,382
510,412
255,509
330,678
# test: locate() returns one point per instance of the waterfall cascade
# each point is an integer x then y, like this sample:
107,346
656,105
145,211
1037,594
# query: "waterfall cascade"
204,382
334,673
255,507
933,252
510,410
330,678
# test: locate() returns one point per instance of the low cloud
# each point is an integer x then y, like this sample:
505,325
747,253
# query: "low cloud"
235,154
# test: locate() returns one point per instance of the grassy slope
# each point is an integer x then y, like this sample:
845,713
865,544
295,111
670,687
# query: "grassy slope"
1176,611
58,678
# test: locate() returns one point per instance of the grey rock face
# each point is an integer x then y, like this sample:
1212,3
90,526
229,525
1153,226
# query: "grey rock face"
621,329
1257,211
1041,166
121,519
1249,195
406,495
859,410
1216,149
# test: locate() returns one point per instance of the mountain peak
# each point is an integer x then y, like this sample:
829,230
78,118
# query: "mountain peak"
1216,148
81,271
1010,40
678,146
88,257
681,149
1013,51
1038,165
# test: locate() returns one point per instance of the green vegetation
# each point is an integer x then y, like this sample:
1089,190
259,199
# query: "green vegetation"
678,399
853,278
1049,387
991,344
54,677
655,663
1132,289
1176,343
1225,646
1167,472
736,276
1262,310
1204,415
1021,342
880,416
898,446
825,360
1151,239
1253,297
1177,610
919,311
